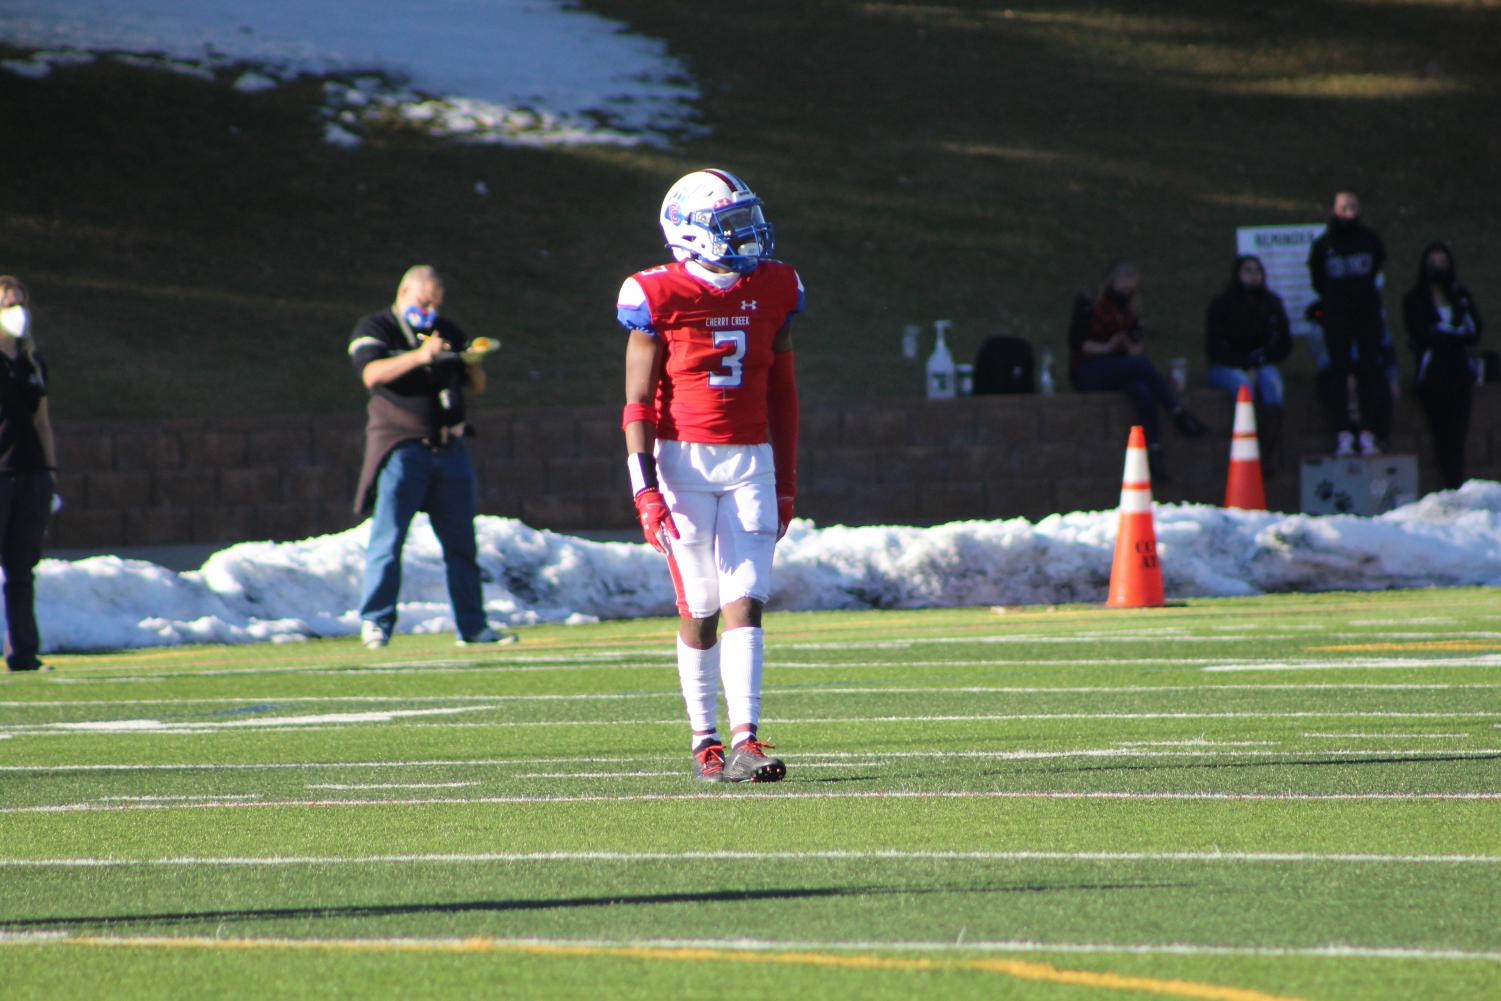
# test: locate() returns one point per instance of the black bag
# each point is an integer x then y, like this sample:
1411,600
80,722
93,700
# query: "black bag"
1004,365
1078,320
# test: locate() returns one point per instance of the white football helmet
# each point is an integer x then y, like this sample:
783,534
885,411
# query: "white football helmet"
713,216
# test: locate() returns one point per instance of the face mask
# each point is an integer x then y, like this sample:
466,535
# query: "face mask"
1122,298
1439,276
419,318
14,320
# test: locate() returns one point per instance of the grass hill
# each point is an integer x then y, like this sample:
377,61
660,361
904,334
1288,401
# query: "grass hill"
194,250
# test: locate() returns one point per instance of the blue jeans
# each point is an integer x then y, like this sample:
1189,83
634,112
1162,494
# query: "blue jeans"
1135,376
415,478
1265,382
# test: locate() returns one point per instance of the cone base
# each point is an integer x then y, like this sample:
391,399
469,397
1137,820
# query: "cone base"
1135,576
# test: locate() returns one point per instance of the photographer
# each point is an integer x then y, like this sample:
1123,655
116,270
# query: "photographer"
417,366
1108,353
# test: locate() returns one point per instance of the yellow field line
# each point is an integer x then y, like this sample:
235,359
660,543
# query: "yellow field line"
1020,969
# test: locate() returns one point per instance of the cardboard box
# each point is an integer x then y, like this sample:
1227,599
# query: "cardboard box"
1358,485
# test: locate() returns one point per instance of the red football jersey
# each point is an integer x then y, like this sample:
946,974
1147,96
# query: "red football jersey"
718,342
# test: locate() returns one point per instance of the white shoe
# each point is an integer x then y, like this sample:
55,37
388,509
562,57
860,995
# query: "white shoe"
1368,444
487,635
1346,446
372,635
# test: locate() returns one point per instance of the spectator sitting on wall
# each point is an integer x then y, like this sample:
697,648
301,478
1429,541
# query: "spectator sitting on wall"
1246,334
1107,352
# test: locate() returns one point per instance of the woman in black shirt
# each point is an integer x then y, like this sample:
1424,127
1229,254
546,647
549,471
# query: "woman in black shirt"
1443,326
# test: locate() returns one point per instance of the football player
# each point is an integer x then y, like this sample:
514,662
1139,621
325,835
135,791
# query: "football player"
710,425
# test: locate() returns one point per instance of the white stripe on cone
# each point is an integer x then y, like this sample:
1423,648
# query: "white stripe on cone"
1243,485
1136,482
1243,438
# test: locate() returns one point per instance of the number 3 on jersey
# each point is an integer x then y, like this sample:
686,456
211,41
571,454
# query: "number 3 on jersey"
731,371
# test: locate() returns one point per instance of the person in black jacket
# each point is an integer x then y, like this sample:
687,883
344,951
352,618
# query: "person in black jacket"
417,366
1345,266
1246,334
28,468
1443,327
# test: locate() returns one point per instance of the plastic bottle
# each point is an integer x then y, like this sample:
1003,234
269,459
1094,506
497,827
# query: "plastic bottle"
1179,370
1045,383
941,365
910,334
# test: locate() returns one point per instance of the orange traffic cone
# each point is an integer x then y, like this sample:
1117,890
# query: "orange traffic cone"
1243,487
1135,577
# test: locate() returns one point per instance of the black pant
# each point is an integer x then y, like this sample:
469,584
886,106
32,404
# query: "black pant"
25,505
1448,410
1371,387
1135,376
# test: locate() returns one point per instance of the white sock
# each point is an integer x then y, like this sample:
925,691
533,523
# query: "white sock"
740,667
698,674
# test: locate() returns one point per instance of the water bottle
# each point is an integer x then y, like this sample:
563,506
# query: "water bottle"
910,333
1045,383
1179,369
941,365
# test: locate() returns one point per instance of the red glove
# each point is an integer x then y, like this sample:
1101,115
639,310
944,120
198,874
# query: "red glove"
784,515
656,519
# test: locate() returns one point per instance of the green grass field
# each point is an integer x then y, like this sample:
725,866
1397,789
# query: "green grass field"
1289,796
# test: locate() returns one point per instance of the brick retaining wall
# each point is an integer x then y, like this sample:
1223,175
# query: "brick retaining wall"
229,480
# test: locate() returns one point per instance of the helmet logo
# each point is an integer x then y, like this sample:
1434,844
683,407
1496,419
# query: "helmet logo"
674,213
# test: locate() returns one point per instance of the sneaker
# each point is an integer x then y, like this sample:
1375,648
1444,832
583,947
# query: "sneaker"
708,762
1368,445
1345,446
373,636
488,636
749,762
38,666
1188,424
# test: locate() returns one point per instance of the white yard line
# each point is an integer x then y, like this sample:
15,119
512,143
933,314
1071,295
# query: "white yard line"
1205,688
390,785
650,757
218,798
860,757
1373,663
653,797
839,855
325,720
409,945
1386,736
654,658
801,763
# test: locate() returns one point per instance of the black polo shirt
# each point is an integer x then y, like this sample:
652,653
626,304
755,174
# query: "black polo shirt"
23,385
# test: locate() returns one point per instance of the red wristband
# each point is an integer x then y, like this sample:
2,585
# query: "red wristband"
634,412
